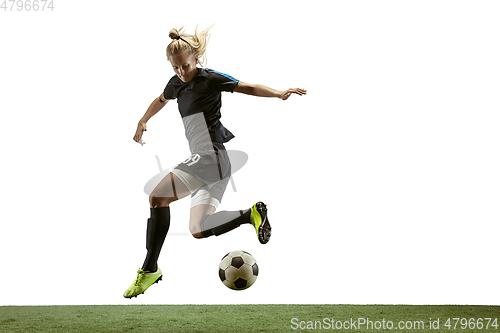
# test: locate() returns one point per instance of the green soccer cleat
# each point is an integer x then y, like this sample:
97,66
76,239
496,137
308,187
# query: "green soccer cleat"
258,218
142,282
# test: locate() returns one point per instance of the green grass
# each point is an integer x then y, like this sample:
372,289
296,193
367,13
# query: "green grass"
227,318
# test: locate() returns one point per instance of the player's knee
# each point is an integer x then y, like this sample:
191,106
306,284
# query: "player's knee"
197,235
157,201
195,231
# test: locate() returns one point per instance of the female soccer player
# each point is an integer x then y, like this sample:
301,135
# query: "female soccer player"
206,172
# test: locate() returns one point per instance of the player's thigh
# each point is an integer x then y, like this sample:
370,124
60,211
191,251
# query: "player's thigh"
197,215
170,188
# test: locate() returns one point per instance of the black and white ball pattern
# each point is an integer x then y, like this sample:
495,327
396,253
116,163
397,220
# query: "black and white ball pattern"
238,270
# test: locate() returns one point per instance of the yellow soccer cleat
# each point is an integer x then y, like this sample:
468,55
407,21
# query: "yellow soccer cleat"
258,218
142,282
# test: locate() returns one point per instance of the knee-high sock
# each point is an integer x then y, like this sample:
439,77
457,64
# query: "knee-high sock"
222,222
157,229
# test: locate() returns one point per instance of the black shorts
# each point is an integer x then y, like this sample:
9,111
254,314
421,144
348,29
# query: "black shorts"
211,166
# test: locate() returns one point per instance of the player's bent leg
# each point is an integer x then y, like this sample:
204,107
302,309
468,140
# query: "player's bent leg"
222,222
142,282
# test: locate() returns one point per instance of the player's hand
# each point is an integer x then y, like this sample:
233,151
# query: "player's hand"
285,94
141,127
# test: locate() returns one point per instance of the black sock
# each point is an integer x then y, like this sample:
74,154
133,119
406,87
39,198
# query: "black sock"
157,229
222,222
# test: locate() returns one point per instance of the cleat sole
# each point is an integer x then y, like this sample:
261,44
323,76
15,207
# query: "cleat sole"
264,230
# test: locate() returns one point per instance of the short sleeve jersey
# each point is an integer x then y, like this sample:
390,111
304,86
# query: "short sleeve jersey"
202,95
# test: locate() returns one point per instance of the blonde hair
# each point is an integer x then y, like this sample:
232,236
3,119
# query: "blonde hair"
195,44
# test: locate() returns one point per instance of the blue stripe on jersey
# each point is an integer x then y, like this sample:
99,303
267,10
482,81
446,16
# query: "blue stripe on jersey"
228,76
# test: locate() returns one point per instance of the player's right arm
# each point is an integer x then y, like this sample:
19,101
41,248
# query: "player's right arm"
153,109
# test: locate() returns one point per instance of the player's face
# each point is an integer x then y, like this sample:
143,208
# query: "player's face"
184,65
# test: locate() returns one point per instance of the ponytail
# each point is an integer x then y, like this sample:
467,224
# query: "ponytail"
195,44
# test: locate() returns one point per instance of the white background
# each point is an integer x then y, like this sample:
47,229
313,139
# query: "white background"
382,183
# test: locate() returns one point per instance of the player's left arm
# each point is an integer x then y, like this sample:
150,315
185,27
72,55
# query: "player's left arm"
263,91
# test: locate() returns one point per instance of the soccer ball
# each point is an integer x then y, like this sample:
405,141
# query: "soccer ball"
238,270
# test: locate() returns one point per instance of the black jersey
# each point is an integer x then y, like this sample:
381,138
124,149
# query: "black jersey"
202,96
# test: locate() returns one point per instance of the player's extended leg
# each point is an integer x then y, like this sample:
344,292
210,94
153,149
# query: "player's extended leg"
205,223
167,191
